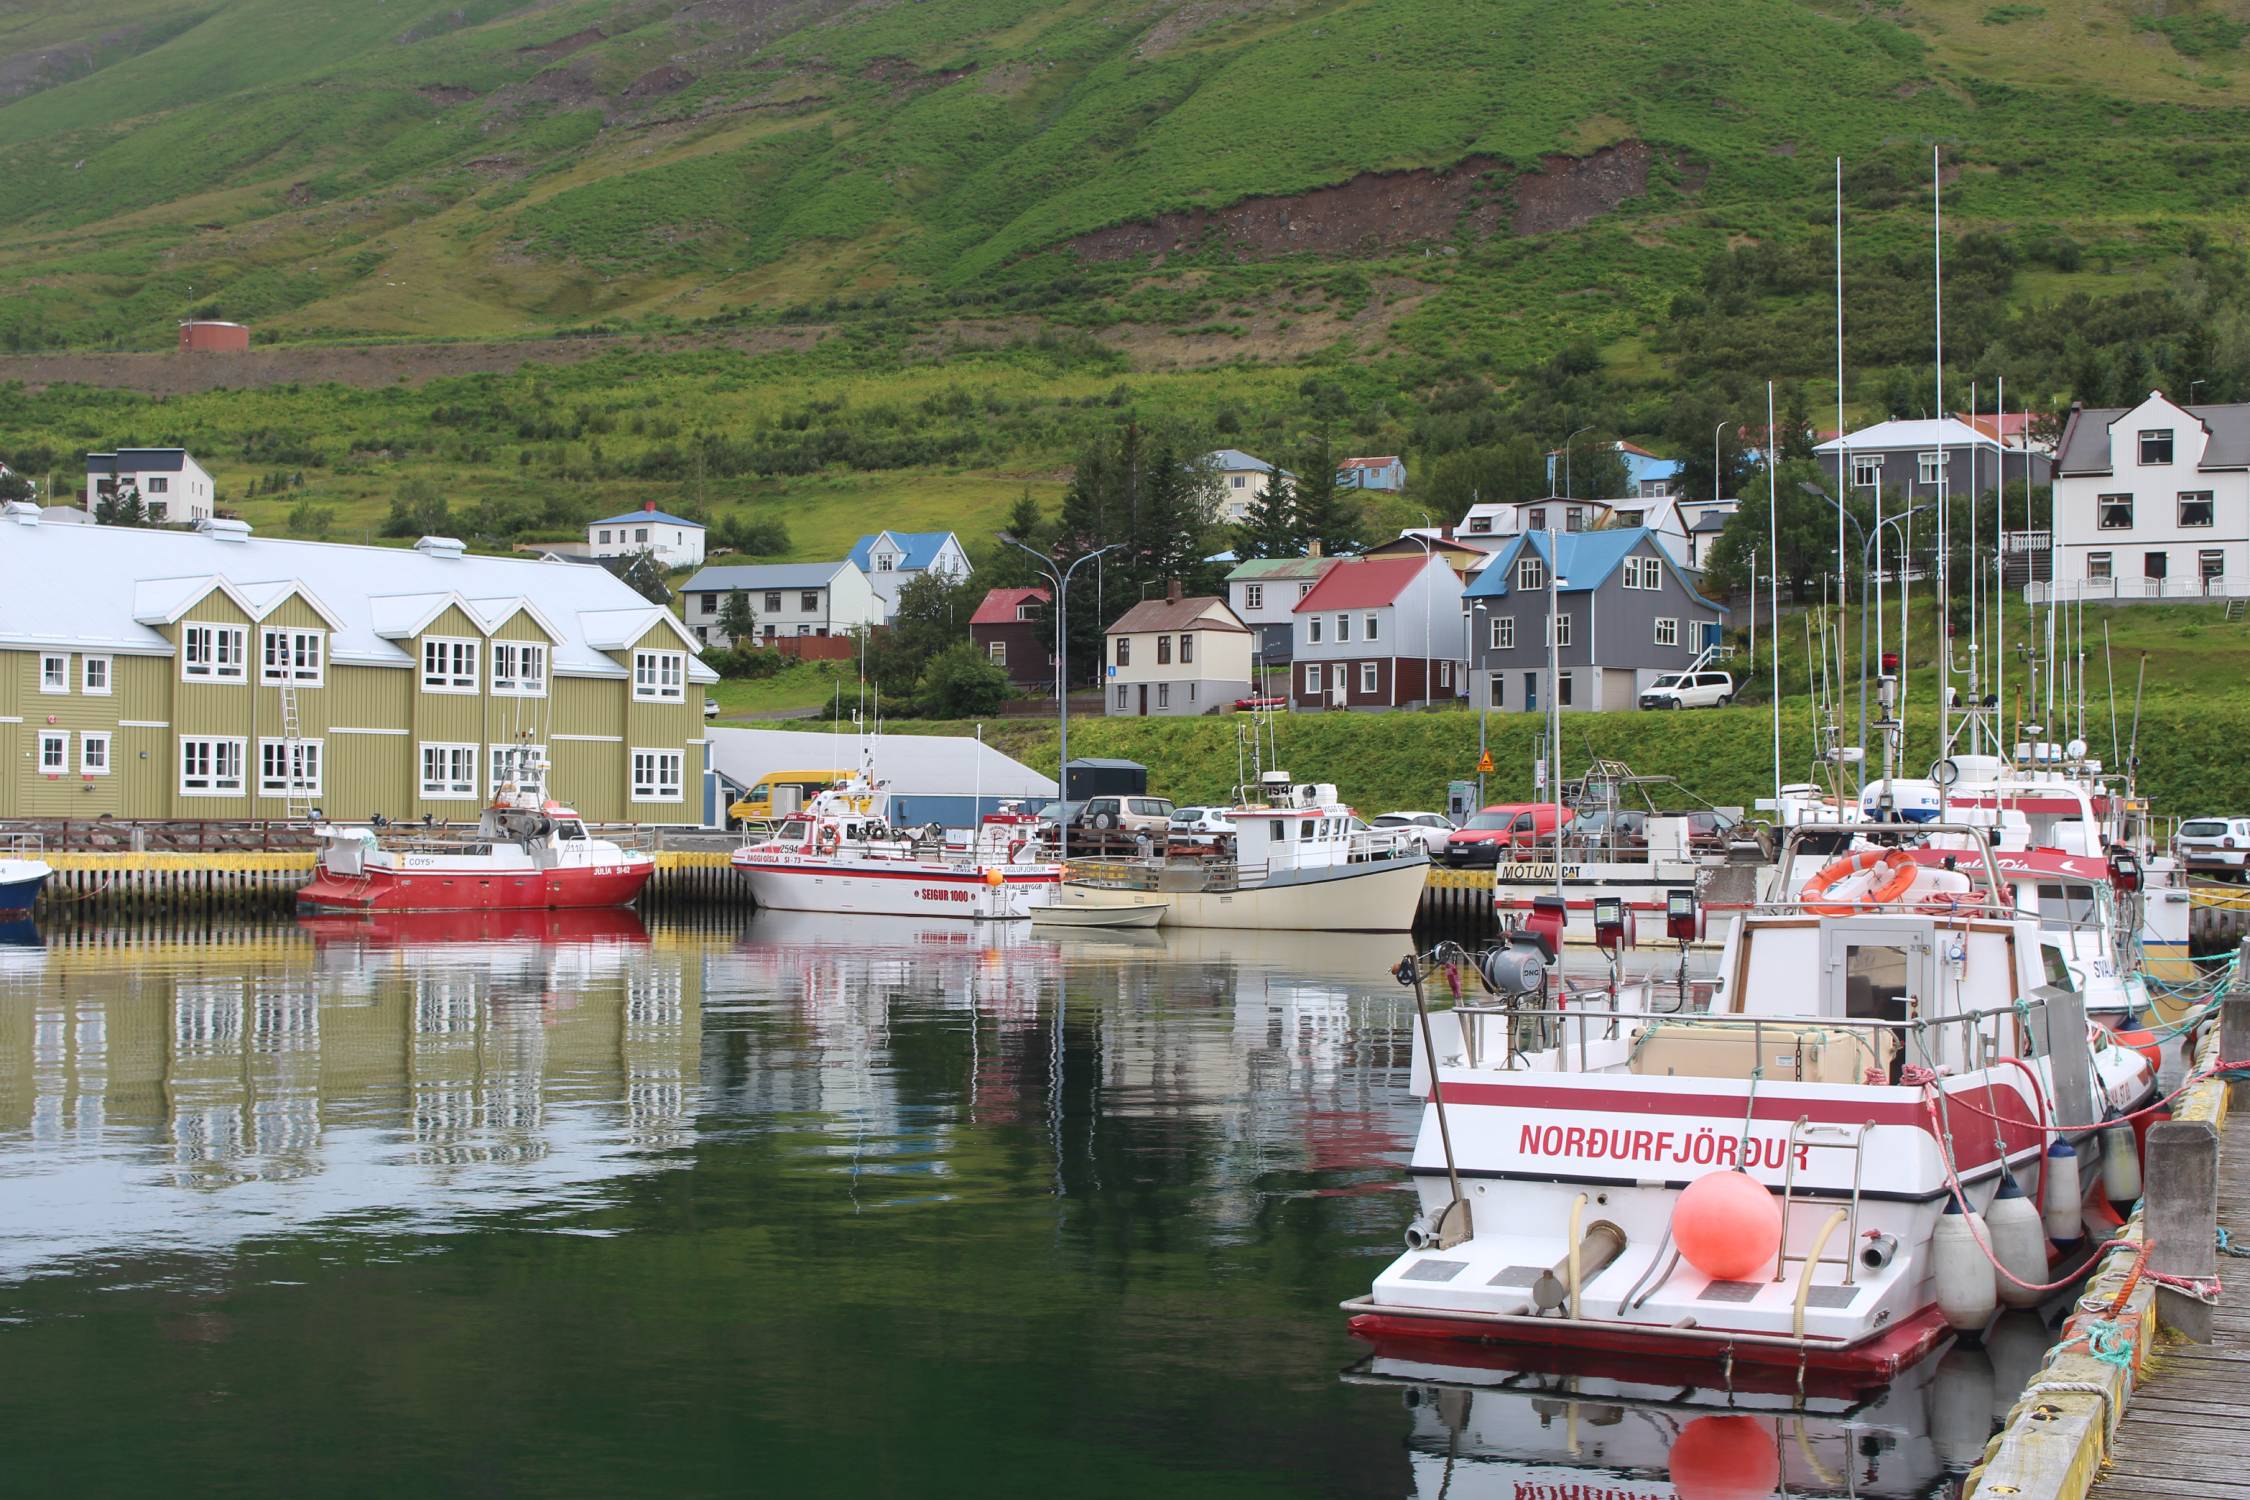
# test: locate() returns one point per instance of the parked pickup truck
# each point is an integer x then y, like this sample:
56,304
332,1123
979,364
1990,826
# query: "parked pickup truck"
1689,690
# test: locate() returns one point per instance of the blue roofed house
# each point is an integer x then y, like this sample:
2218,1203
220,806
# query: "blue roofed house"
1648,476
673,541
1626,613
1239,478
893,559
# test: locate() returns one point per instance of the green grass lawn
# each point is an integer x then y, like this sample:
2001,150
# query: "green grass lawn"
800,685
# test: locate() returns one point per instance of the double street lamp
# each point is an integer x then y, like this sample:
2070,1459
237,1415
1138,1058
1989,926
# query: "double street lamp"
1868,540
1060,577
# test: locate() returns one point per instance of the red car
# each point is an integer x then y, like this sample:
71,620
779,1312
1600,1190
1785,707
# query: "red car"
1501,831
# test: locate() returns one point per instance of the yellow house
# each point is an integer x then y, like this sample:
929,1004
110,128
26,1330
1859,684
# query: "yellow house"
216,674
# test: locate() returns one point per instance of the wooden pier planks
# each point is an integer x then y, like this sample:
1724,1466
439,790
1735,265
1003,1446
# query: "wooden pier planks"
2187,1429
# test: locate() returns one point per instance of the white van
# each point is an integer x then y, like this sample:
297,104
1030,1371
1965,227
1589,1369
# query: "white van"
1689,690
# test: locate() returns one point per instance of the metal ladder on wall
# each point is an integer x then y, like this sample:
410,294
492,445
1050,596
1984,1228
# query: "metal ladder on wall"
297,799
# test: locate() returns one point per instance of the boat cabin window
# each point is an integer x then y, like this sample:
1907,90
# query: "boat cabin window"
1874,982
570,828
2057,971
796,830
2068,905
1310,829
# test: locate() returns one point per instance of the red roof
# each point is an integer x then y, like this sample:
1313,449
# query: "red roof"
999,606
1374,581
1383,462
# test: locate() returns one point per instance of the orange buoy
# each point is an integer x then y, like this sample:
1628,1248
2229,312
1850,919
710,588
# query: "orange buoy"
2146,1044
994,877
1725,1458
1727,1225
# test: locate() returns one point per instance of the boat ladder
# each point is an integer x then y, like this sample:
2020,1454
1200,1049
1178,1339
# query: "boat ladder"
1807,1136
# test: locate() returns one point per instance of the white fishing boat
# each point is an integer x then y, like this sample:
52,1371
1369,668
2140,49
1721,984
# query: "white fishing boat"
1100,916
1302,861
1884,1104
842,853
23,875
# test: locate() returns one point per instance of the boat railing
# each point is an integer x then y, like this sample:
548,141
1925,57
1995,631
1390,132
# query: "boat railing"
1975,1037
22,845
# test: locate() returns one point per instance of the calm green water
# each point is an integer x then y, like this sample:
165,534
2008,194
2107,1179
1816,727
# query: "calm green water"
802,1206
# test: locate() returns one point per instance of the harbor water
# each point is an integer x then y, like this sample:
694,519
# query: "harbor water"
570,1204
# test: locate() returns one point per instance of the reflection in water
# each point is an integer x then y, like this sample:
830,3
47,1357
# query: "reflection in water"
556,1202
396,1071
1603,1428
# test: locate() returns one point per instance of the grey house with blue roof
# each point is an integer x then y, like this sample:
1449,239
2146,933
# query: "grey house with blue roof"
1625,613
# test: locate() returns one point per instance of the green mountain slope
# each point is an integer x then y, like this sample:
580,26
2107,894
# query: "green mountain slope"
481,167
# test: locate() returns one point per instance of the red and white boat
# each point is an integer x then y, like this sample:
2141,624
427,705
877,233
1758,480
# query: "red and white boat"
841,853
1884,1103
528,853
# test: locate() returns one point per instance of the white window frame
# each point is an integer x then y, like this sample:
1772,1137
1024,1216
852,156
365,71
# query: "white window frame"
86,666
297,647
221,768
2101,566
1312,630
93,753
1926,467
1343,629
54,671
304,766
450,784
1867,471
1303,589
998,652
1503,632
450,664
517,682
205,649
54,752
2104,504
1371,628
2210,504
1253,596
1370,677
660,676
1531,573
493,753
648,764
1667,632
1312,678
1558,627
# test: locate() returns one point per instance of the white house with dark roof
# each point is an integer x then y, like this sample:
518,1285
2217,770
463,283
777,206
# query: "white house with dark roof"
1238,478
893,559
173,487
2152,502
822,598
674,541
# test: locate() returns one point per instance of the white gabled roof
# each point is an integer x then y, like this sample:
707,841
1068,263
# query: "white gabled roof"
1916,432
108,588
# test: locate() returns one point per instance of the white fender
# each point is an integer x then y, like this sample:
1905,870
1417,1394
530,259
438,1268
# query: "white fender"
2121,1166
1966,1295
2065,1208
2019,1242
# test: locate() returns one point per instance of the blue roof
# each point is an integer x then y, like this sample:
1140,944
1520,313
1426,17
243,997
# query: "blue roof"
1588,559
921,548
646,516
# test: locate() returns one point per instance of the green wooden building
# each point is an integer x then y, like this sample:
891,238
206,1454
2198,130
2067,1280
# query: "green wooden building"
217,674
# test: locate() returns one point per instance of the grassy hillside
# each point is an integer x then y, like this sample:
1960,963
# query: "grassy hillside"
477,167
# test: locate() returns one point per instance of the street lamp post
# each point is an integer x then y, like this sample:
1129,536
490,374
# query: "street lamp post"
1566,442
1472,630
1718,488
1554,699
1061,580
1429,694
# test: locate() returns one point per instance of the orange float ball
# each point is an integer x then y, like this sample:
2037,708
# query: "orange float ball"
2146,1044
994,877
1725,1458
1727,1225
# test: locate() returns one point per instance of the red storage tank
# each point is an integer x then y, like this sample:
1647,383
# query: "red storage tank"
198,336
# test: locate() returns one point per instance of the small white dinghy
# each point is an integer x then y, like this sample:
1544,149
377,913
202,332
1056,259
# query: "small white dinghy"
1100,916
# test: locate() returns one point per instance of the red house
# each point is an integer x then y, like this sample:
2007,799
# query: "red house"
1006,627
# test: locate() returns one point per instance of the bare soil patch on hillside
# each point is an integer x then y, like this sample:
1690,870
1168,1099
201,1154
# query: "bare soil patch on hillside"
1378,211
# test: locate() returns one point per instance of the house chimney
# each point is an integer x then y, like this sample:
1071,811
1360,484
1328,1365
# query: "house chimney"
1312,548
1172,591
648,505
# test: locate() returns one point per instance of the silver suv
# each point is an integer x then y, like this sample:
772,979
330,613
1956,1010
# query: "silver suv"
1133,814
2214,846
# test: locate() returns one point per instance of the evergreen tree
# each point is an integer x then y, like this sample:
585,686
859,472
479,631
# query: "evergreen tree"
738,622
121,507
1269,528
1807,534
1326,513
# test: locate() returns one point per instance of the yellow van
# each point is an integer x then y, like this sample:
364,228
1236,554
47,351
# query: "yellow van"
795,789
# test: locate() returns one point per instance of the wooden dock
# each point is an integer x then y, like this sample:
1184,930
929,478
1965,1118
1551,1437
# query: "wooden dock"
2187,1428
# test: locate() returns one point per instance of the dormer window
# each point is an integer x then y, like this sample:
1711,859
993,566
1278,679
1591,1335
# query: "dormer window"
291,656
2156,446
1027,612
519,669
883,562
1531,573
449,665
214,653
660,676
1480,525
